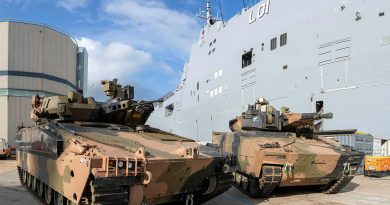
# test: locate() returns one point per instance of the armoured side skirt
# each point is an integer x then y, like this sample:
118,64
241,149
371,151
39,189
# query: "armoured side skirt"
68,177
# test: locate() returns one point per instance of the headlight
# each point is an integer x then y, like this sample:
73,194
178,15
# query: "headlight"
130,165
120,164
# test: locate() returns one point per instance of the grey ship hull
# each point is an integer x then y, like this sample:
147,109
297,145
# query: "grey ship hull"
336,52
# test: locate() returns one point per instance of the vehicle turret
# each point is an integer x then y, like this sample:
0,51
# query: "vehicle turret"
263,116
120,108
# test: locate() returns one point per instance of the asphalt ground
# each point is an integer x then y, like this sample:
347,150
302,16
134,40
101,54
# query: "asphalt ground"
362,190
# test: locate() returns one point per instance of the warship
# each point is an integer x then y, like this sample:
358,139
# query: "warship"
310,55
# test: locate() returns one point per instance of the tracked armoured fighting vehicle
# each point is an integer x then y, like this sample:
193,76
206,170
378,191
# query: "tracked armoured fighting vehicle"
84,152
285,149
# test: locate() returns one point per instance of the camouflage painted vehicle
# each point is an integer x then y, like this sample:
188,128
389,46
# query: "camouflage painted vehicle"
84,152
284,150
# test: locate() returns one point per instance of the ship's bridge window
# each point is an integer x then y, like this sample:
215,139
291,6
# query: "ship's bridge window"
274,43
247,59
169,110
283,39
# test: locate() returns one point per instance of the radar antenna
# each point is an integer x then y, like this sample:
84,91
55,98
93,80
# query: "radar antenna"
208,14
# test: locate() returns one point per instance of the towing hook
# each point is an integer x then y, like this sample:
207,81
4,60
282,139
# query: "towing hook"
190,199
347,168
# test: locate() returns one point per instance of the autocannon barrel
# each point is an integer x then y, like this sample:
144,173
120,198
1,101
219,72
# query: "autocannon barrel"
316,116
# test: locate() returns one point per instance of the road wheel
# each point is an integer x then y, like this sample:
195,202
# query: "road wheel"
48,194
40,188
34,183
244,182
68,202
254,188
59,199
29,180
24,177
237,178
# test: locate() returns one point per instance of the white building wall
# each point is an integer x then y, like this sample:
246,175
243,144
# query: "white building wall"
377,147
385,147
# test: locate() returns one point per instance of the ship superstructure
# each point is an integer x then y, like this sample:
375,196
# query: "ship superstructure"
309,54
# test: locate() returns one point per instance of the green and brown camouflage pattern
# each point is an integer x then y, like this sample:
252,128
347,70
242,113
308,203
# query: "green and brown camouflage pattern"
291,142
107,155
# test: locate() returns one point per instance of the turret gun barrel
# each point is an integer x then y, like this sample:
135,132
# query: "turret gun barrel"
316,116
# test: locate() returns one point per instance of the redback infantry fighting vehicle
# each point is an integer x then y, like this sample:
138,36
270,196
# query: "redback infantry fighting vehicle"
84,152
285,149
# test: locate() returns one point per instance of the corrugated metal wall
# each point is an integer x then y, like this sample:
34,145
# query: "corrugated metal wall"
19,109
3,79
3,47
34,48
3,117
30,50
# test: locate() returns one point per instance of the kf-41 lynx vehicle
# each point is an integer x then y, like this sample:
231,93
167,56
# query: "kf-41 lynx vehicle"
285,149
84,152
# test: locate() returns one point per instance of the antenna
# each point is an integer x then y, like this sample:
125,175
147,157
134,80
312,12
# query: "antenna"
243,2
208,14
220,10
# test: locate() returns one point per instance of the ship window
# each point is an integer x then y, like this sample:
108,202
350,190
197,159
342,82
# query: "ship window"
216,74
215,40
169,110
213,50
209,52
220,72
262,46
216,91
247,59
220,90
274,42
381,13
285,67
319,106
211,43
283,39
197,86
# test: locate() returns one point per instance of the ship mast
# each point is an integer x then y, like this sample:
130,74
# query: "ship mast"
208,14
